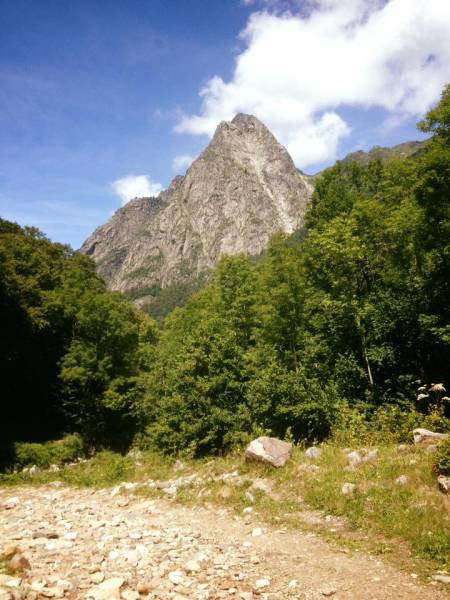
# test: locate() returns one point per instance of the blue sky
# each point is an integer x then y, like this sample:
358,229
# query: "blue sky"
95,91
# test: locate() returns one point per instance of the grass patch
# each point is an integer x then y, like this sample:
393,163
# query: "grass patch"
104,469
42,455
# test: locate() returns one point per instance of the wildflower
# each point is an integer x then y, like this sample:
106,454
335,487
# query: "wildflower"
437,387
422,396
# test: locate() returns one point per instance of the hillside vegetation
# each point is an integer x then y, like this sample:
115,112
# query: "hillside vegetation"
339,325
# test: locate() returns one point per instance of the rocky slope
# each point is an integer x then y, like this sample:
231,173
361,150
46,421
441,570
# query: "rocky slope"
238,192
384,154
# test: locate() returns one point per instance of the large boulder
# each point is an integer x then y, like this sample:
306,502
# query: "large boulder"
424,436
269,450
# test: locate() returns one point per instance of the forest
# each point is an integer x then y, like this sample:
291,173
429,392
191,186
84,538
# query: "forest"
344,322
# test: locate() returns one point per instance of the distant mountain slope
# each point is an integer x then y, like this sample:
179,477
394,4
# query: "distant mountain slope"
400,151
235,195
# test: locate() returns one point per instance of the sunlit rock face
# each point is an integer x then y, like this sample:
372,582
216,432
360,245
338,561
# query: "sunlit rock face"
235,195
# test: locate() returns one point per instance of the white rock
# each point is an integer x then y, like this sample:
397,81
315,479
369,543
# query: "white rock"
10,582
441,578
262,583
257,531
269,450
107,590
130,595
348,489
425,435
313,452
11,503
192,566
444,484
370,455
176,577
402,480
354,458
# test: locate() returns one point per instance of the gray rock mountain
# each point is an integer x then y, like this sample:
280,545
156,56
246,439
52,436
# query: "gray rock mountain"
240,190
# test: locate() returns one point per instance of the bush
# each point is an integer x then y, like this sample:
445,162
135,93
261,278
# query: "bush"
43,455
442,457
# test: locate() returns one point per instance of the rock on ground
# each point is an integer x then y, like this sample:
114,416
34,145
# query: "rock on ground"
269,450
423,436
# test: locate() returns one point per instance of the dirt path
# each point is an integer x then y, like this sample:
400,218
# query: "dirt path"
90,544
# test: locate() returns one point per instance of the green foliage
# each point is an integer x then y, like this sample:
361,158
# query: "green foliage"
442,457
326,333
70,352
43,455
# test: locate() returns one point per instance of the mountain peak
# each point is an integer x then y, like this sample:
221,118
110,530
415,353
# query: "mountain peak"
242,120
240,190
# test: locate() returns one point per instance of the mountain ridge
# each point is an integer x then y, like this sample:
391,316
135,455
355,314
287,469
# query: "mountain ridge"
241,189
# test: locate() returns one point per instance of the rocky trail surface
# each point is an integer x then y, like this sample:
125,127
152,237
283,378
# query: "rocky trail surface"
94,544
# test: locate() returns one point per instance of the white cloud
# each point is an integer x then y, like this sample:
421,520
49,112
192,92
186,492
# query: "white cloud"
181,163
296,71
136,186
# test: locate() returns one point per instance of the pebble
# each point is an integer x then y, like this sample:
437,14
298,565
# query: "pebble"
402,480
176,577
262,583
329,591
348,489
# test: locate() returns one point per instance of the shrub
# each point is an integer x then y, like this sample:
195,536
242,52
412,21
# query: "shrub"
442,457
43,455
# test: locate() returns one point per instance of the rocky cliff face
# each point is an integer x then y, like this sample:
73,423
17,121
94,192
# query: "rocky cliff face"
239,191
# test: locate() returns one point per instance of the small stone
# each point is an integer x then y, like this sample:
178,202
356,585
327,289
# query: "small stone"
444,484
226,493
176,577
108,590
53,592
262,583
403,447
257,531
192,566
370,455
19,563
348,489
133,557
249,496
402,480
329,591
97,577
441,578
11,503
313,452
144,587
10,582
130,595
354,458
